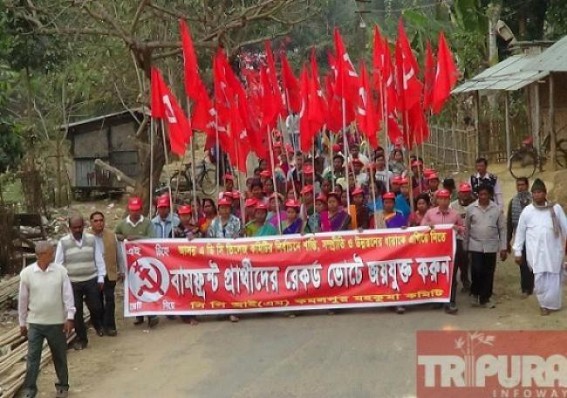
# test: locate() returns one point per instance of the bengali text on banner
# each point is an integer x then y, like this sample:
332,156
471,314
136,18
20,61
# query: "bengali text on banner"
283,273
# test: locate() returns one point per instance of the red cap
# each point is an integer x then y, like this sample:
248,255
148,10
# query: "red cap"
307,169
397,180
336,148
464,187
289,148
134,203
428,172
292,203
224,202
404,181
306,189
389,195
277,144
433,176
266,173
235,195
443,193
357,191
229,177
250,202
163,201
261,206
321,198
184,209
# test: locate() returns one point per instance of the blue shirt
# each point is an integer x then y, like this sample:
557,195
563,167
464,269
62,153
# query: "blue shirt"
163,228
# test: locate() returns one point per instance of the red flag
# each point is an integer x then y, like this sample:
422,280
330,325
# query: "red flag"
239,134
366,114
291,86
429,77
446,76
274,86
165,106
334,114
193,84
347,78
317,106
409,86
305,134
417,124
222,102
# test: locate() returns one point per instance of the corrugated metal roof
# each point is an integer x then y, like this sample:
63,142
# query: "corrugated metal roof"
508,75
102,117
554,59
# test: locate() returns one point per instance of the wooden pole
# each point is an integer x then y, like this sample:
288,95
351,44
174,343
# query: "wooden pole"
152,130
271,150
477,122
536,118
166,154
552,138
345,148
507,125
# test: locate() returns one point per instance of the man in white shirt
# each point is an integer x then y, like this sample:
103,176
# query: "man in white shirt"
542,228
82,256
46,310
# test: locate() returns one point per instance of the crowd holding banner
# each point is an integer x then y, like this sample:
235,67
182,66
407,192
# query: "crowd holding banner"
323,271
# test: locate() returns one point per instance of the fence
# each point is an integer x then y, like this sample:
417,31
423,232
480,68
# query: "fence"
450,148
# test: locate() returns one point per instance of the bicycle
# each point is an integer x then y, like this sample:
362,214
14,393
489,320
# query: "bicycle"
525,160
205,179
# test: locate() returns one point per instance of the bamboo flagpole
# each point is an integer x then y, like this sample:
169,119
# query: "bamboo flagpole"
152,131
273,166
165,151
345,146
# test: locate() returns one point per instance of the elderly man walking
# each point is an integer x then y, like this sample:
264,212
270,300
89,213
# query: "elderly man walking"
80,254
46,310
543,229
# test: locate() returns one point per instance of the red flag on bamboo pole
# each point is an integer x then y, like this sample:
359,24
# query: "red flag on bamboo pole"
446,76
305,132
366,115
193,83
347,78
429,77
291,86
164,106
409,86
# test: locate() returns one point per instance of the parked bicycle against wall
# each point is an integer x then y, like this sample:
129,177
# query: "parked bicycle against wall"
205,178
525,160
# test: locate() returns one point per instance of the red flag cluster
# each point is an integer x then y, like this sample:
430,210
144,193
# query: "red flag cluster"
241,115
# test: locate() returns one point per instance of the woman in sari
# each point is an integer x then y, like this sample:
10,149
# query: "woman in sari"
338,219
293,224
313,224
209,212
258,226
392,217
422,203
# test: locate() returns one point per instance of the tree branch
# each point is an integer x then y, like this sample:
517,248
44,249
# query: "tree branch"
139,10
120,176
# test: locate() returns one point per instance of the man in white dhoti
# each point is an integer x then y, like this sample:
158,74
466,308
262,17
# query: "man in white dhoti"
543,229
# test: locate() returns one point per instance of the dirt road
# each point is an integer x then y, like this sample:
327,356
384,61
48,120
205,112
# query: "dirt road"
367,353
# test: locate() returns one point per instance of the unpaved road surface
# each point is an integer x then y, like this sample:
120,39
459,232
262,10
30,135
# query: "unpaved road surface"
368,353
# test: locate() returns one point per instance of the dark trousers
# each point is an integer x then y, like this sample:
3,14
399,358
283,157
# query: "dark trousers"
526,275
483,266
108,304
57,345
462,263
87,292
454,285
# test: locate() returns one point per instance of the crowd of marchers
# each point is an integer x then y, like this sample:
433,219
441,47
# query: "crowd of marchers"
354,192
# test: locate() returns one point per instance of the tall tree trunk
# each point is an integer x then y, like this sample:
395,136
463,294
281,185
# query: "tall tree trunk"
493,13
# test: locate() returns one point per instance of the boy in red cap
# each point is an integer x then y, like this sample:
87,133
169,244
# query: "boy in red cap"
307,201
443,214
186,228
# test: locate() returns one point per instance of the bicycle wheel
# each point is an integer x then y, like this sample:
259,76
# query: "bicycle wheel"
562,153
208,182
522,164
180,180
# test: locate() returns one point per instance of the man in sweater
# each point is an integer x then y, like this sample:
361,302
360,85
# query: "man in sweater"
135,226
114,262
80,254
46,310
